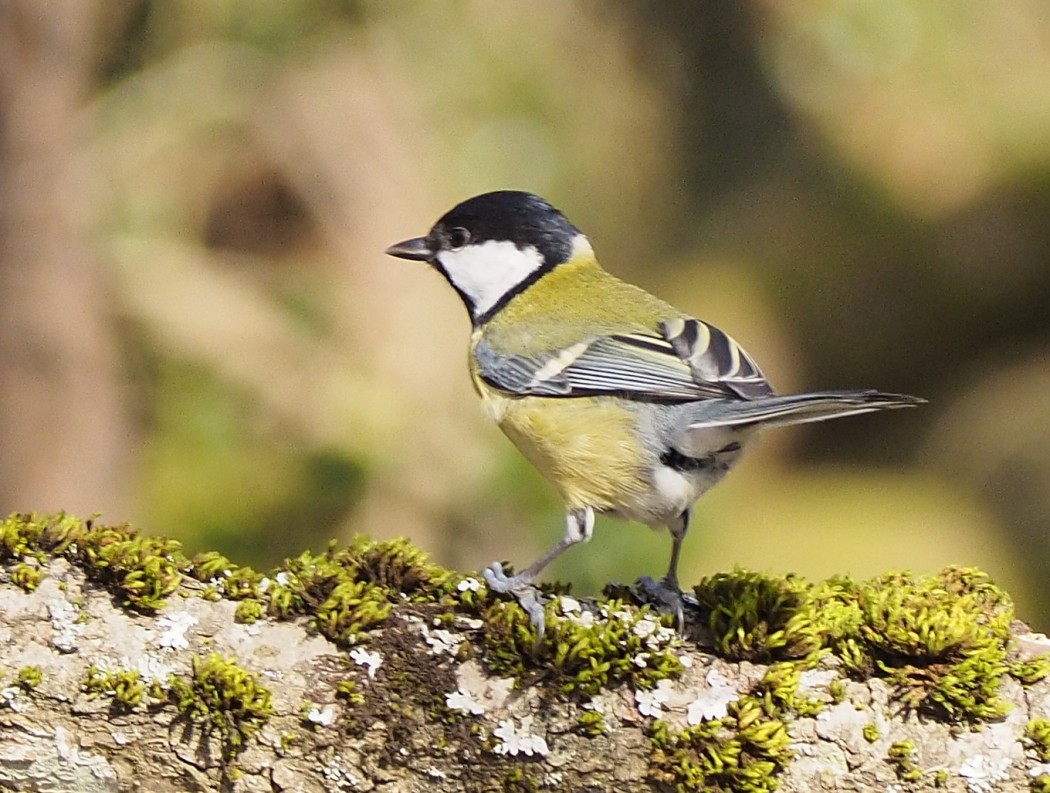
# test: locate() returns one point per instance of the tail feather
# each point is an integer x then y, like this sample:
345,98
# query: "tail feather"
782,411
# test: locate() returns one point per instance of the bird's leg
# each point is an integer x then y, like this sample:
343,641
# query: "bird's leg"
579,526
666,592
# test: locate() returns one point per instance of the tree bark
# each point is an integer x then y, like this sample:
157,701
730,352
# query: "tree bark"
412,706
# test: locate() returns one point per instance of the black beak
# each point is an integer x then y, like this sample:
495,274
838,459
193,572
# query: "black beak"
416,249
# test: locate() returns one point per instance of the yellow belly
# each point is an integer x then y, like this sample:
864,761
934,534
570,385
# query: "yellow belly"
585,447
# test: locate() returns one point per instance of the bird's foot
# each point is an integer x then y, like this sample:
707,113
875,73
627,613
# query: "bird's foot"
521,587
666,596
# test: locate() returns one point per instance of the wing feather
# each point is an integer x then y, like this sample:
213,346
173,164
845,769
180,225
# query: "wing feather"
689,360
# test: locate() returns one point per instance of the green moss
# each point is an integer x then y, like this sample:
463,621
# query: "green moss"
901,756
220,696
744,752
232,580
351,609
347,691
249,611
837,690
1029,672
1037,738
590,723
778,690
140,571
759,618
126,686
518,780
943,640
870,732
940,778
29,677
578,655
27,576
143,571
21,535
396,565
289,739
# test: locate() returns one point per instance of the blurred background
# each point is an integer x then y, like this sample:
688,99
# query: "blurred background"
199,331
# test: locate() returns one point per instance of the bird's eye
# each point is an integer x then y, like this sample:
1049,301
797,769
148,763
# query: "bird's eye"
458,237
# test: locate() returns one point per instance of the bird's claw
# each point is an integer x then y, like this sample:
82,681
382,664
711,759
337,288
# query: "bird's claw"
527,595
666,596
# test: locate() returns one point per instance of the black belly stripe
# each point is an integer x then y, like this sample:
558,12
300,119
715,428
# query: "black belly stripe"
673,458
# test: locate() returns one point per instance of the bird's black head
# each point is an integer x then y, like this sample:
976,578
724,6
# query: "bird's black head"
493,246
511,216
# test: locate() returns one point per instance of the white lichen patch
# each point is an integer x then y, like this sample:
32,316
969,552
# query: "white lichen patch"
983,773
151,669
519,739
465,702
66,628
571,609
321,716
984,757
173,630
474,685
336,772
812,681
651,702
11,697
1039,770
714,701
441,640
371,660
469,584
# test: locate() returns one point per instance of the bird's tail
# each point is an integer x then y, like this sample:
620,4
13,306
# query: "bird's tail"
780,411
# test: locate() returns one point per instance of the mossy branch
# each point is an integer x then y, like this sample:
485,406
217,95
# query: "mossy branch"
366,666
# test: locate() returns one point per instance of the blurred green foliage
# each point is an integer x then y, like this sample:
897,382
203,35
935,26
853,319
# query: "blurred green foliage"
856,190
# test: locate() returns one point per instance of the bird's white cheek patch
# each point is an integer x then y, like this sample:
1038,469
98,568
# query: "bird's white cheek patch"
485,272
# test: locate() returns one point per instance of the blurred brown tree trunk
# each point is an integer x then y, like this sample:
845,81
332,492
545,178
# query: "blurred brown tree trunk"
62,428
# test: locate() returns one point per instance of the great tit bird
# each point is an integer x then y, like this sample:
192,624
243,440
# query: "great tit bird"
626,405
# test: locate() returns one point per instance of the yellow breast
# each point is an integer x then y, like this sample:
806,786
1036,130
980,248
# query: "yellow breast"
585,447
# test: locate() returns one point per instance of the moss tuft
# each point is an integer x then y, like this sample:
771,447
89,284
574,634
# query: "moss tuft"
396,565
778,690
347,691
581,652
1037,738
351,609
1032,671
141,571
943,640
27,576
29,677
126,686
745,751
249,611
901,756
753,617
220,696
590,723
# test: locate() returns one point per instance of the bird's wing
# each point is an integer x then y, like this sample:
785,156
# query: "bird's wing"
685,360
